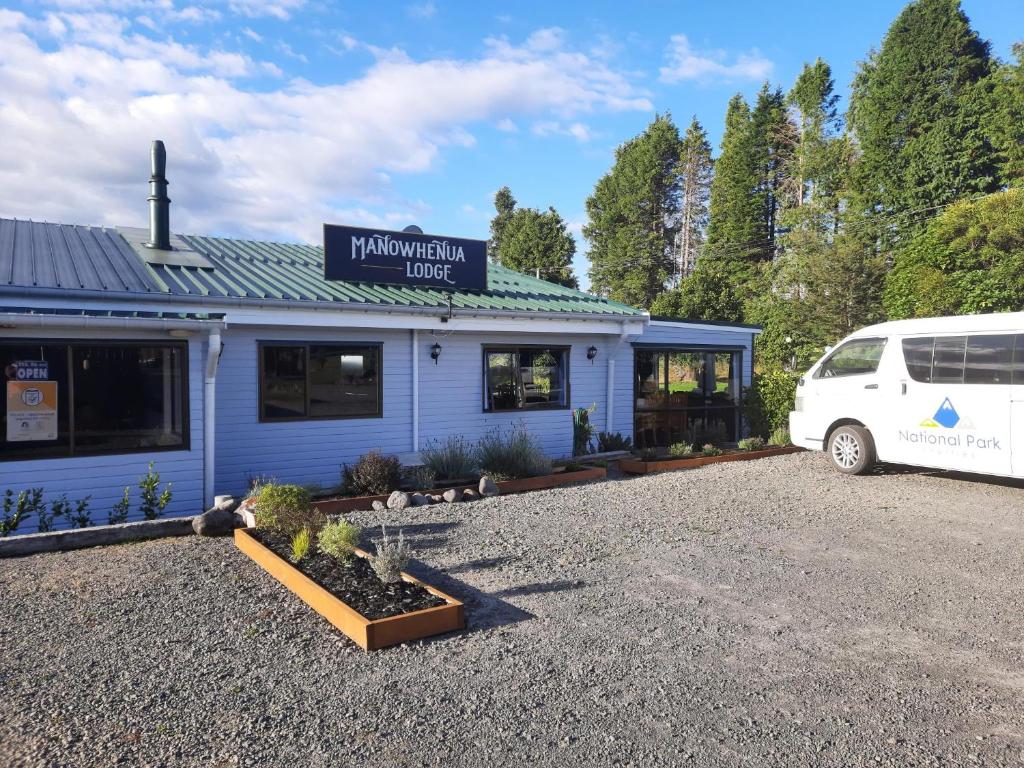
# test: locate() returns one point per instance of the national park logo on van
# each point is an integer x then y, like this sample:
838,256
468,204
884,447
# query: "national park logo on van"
947,417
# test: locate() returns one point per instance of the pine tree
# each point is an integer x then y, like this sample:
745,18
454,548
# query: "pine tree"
535,241
1005,123
774,141
505,205
918,112
633,217
813,103
695,171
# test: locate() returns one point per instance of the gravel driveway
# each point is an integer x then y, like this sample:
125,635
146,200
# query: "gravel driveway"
764,613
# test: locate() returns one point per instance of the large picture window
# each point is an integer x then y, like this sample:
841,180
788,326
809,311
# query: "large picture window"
976,359
319,381
111,397
526,378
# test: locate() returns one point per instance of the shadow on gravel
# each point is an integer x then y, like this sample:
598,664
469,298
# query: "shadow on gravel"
483,563
895,470
542,587
421,535
483,610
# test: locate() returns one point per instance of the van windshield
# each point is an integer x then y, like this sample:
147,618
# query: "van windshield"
852,358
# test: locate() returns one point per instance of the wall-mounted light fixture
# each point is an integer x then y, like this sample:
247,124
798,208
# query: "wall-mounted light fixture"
591,353
435,352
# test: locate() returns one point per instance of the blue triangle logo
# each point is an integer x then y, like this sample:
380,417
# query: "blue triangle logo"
947,415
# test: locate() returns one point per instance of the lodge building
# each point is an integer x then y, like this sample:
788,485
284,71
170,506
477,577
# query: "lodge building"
222,360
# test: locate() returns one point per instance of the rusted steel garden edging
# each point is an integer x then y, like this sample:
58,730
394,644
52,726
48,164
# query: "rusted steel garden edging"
94,536
354,503
641,467
368,634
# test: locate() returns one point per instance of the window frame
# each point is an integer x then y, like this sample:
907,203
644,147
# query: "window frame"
377,346
1014,362
818,373
70,344
564,349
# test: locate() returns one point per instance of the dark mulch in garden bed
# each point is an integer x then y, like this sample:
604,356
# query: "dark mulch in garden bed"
354,581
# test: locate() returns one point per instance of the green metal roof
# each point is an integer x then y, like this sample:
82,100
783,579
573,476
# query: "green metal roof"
44,256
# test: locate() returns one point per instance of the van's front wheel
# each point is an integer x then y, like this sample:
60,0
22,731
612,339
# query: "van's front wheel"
852,450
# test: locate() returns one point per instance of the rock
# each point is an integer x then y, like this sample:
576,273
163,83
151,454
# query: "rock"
378,506
215,522
470,495
452,495
488,487
436,498
419,500
398,500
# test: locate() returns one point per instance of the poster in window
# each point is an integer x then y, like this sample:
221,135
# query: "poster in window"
31,410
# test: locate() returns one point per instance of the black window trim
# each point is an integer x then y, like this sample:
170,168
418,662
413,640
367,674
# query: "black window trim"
565,349
71,343
262,345
833,352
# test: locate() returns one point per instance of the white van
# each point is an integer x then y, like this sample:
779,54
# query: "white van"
944,392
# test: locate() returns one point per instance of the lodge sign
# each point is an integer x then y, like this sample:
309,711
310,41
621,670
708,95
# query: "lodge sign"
403,258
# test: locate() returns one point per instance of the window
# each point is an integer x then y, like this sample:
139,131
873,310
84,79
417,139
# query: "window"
981,359
917,354
1018,360
319,381
989,359
113,397
853,358
685,395
948,359
525,378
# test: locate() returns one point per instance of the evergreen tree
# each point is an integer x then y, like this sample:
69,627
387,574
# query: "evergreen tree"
633,217
695,171
735,216
774,141
918,111
1005,125
535,241
505,205
813,103
707,294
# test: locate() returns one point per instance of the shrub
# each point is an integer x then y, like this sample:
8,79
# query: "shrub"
582,430
285,508
338,539
17,510
779,436
373,475
58,508
153,500
419,478
679,450
512,456
300,544
711,450
452,459
119,513
392,557
751,444
768,401
573,466
81,517
613,441
647,454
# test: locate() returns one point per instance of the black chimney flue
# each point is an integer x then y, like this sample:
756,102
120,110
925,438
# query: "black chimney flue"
159,202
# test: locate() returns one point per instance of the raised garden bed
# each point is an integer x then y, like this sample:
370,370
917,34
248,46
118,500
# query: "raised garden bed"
643,466
343,505
432,612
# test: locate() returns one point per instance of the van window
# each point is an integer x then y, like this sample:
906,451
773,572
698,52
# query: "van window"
917,354
1018,361
948,359
989,359
855,357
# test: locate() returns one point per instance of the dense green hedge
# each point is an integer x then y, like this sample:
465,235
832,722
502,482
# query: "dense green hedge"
768,401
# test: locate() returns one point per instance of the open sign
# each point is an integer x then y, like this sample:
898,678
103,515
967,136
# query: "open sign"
31,370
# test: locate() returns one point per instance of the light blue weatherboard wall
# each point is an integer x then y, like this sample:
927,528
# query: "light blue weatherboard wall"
450,403
451,398
104,477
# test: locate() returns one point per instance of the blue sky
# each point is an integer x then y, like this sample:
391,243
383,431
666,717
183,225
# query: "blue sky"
282,114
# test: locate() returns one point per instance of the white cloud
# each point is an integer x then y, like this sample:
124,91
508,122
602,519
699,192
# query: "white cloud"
78,111
685,63
578,131
278,9
507,125
425,10
252,34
